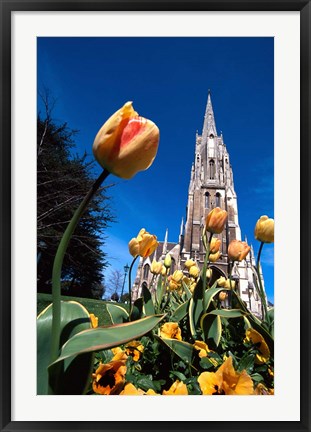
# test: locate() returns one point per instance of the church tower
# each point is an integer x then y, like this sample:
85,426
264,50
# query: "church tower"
211,185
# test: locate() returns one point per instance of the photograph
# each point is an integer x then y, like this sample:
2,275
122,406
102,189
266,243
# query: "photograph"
155,216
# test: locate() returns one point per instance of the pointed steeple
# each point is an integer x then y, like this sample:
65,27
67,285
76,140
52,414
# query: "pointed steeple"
164,251
209,125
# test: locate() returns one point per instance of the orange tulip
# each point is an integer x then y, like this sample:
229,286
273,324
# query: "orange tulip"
216,220
215,245
126,143
238,250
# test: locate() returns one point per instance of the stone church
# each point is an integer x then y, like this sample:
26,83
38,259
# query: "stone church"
211,185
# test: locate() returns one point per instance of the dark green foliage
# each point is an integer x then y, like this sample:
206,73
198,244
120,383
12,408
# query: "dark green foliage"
62,182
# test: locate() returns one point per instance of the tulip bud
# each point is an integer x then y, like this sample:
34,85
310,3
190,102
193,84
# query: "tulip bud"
156,267
216,220
222,296
126,143
264,230
225,283
194,271
163,271
238,250
168,261
189,263
209,273
214,257
221,281
215,245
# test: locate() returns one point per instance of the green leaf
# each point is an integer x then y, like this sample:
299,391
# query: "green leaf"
117,314
160,289
211,293
179,375
180,312
148,303
102,338
257,377
227,313
211,327
247,363
206,364
196,308
74,319
187,290
145,383
137,309
184,350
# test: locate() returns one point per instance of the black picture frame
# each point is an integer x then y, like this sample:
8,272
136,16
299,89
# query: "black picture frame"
7,7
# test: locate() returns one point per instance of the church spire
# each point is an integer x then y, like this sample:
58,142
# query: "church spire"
209,125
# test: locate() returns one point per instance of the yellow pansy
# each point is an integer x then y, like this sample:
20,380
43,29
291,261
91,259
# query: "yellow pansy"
176,389
170,330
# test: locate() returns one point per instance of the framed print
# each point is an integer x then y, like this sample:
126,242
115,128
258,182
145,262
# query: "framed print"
198,317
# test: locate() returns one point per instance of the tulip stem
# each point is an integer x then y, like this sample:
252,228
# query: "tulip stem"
130,283
58,262
264,307
206,259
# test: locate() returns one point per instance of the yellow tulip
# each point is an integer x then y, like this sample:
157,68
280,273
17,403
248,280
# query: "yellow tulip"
238,250
156,267
215,245
143,245
214,257
189,263
194,271
264,230
216,220
173,285
177,276
126,143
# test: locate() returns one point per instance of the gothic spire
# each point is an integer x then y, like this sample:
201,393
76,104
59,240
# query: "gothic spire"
209,125
165,242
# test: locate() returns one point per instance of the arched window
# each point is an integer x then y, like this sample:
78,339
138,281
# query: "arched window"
211,136
217,199
207,199
146,271
211,169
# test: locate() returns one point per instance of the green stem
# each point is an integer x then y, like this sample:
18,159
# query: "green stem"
206,260
230,279
259,253
262,292
58,262
130,283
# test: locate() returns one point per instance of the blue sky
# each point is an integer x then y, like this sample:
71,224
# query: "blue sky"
168,80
